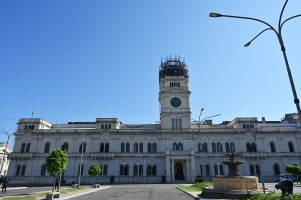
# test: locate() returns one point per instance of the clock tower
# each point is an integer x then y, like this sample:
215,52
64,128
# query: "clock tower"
174,95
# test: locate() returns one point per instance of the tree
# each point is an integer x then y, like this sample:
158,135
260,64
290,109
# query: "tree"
94,170
294,169
56,163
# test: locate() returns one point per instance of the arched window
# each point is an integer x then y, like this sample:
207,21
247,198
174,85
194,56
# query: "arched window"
154,148
213,147
126,170
177,124
205,148
199,147
43,170
227,147
47,147
201,170
121,170
102,147
128,147
180,147
272,147
23,148
154,170
221,170
244,126
80,169
149,170
122,147
257,169
291,147
136,148
107,147
23,170
207,170
276,169
81,149
149,148
65,147
27,148
135,170
232,147
253,147
175,146
141,148
219,148
105,170
248,145
252,170
215,170
140,170
18,170
180,124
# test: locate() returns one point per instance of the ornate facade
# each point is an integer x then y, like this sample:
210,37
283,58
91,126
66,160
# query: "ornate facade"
176,149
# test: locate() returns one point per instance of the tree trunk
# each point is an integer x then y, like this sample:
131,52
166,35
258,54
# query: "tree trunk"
59,183
53,183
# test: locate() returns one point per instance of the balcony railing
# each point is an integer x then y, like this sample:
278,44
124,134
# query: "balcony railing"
20,156
254,155
97,156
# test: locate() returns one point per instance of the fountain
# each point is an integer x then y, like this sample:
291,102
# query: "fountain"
232,186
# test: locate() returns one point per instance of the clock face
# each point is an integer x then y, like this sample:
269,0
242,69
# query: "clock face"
175,102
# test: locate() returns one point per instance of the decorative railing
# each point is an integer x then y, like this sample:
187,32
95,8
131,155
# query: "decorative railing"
97,156
254,155
20,156
181,153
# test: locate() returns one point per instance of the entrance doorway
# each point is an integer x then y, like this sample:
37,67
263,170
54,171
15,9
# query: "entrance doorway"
179,175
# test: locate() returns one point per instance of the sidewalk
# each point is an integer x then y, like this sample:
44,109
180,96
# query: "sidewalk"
72,194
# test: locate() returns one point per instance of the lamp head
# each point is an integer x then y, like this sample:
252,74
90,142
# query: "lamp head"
247,44
215,15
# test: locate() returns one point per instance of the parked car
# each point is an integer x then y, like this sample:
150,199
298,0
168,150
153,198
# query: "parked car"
285,176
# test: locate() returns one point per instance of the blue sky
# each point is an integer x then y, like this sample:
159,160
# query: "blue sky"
80,60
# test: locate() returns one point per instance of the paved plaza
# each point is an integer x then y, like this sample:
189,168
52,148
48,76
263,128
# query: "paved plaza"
123,192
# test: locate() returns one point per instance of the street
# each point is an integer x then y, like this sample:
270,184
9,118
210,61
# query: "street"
128,191
141,192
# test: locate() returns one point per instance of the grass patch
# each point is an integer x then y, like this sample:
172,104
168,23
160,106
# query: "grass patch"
62,191
198,187
26,197
274,196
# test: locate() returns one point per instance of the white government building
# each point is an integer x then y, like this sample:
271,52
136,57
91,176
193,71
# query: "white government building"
176,149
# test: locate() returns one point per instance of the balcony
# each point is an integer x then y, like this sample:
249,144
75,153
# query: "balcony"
254,155
20,156
181,153
102,156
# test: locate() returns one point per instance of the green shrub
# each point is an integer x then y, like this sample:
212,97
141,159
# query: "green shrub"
274,196
199,180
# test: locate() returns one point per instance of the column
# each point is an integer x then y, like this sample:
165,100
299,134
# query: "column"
167,169
172,170
192,164
187,170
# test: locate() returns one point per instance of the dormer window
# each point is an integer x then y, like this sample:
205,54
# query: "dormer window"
29,127
174,84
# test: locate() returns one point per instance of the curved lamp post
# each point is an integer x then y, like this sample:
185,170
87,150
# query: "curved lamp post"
199,122
5,150
279,36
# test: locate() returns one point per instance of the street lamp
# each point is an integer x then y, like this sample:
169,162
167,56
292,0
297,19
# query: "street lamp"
199,122
81,160
6,147
279,36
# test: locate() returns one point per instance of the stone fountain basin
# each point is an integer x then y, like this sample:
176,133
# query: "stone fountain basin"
236,183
